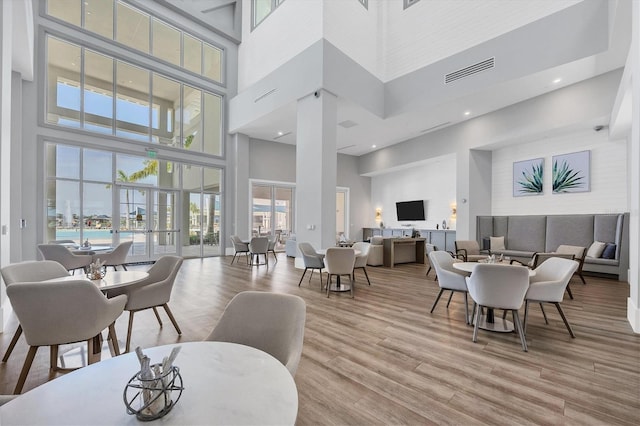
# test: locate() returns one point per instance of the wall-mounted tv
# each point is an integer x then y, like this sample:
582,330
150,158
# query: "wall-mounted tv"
410,210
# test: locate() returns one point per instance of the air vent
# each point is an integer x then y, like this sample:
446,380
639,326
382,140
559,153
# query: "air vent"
265,94
347,123
470,70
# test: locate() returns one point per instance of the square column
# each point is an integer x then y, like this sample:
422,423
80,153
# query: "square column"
316,168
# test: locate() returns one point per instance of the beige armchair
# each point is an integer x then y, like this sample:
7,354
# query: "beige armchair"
273,323
578,253
469,250
376,252
31,271
239,247
153,292
49,319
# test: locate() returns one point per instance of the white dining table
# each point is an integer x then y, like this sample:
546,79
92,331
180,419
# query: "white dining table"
224,384
111,280
489,322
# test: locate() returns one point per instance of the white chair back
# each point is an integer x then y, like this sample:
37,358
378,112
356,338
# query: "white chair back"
33,271
63,256
117,256
273,323
361,259
339,260
447,277
498,286
259,245
310,257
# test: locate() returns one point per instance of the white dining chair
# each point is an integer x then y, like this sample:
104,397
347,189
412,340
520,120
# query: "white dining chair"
239,247
548,286
259,246
448,279
63,256
499,287
29,271
312,260
338,262
361,259
57,313
116,257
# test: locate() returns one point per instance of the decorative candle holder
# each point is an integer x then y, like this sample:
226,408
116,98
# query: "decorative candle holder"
97,270
150,398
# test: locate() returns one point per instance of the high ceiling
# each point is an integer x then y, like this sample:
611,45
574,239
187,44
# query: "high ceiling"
360,129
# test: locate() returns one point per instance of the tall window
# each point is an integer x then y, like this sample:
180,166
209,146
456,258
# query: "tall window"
98,93
260,9
272,210
142,32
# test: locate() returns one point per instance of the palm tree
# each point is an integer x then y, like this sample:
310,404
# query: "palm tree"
150,169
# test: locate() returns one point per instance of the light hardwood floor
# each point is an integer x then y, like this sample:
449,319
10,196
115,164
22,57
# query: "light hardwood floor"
381,358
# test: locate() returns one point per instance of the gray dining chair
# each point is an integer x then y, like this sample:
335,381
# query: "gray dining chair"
312,260
63,256
116,257
29,271
57,313
239,247
259,246
151,293
271,322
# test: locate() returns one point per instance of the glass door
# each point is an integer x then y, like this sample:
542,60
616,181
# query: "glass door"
147,217
272,211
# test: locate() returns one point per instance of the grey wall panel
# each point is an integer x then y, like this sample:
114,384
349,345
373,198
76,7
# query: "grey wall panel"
526,233
500,226
575,230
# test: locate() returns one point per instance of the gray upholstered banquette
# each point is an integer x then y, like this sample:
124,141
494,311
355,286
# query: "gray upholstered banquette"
526,235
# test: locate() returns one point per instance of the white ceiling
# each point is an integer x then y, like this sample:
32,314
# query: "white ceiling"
381,132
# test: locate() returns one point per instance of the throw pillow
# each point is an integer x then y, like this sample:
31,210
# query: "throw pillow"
497,243
596,249
609,252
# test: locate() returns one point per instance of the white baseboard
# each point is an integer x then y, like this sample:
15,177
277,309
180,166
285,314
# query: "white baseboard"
633,315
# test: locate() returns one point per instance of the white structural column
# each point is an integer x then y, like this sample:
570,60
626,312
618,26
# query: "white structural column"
473,188
5,138
633,303
316,168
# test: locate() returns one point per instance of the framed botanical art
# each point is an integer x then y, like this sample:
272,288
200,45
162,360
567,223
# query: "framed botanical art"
528,177
571,172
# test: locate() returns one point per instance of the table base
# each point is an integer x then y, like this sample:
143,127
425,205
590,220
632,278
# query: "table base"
339,287
499,325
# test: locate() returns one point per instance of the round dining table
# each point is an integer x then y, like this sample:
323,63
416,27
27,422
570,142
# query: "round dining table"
339,286
224,384
111,280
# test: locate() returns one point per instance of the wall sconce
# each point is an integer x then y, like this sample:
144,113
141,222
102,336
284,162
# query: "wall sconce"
378,214
454,210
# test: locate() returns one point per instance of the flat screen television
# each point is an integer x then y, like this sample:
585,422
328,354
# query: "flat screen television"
410,210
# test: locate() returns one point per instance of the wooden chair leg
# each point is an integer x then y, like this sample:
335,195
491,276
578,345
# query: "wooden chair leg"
544,314
435,302
518,325
302,277
12,345
94,353
114,339
582,278
474,339
564,318
450,297
25,369
366,275
171,317
53,357
569,291
155,311
128,344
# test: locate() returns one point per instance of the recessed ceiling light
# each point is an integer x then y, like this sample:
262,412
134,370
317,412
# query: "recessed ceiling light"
557,80
373,146
467,112
280,133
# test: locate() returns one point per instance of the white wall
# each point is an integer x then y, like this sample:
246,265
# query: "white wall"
608,176
355,31
425,32
287,31
433,181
